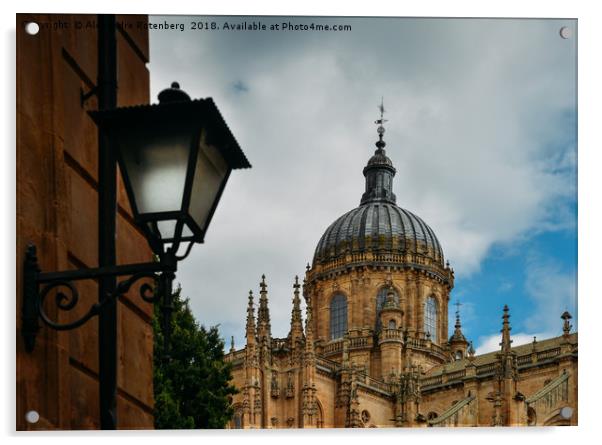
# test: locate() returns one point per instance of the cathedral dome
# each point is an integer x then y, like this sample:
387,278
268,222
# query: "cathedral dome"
378,225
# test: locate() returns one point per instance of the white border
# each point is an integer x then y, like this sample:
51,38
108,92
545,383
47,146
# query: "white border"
590,223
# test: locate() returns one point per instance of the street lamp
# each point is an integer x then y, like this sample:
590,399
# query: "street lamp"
175,158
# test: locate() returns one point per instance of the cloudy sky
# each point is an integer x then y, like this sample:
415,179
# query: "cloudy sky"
482,131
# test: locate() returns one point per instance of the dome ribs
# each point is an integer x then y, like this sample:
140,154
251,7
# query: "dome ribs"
330,242
424,234
379,228
319,247
410,217
391,226
402,230
369,232
353,231
383,230
408,234
436,245
361,236
339,249
378,225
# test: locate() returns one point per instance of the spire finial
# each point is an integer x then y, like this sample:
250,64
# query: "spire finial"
380,122
263,285
263,312
250,303
457,304
506,341
250,318
458,335
309,333
458,324
296,324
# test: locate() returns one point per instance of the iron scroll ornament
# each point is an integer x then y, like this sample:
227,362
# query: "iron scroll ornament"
67,303
38,286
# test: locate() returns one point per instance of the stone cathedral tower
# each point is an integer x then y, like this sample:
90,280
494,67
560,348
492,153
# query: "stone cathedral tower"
375,351
378,277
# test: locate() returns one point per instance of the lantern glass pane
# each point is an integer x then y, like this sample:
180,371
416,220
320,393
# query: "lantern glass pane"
210,172
156,165
167,228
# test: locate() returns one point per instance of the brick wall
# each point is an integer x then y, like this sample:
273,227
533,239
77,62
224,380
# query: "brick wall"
57,211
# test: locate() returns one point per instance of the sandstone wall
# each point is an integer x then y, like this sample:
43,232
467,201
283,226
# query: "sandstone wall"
57,185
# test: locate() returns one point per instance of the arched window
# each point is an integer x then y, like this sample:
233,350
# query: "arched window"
430,317
458,355
338,316
381,297
320,415
392,324
237,419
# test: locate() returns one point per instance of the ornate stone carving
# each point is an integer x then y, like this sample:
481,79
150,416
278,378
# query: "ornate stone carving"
290,385
274,388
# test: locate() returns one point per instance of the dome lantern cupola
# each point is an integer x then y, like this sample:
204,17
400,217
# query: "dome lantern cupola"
379,225
379,171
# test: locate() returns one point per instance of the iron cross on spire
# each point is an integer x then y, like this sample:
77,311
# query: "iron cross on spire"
457,304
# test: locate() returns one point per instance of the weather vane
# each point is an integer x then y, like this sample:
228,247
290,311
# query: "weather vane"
380,122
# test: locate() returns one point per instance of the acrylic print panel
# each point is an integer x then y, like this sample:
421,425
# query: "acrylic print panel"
407,229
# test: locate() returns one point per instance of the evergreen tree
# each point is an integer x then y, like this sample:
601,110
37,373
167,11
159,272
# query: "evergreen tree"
192,388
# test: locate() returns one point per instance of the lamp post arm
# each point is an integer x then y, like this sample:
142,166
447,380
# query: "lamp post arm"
99,272
37,286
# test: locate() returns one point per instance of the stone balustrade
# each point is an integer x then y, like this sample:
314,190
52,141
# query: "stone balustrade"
418,261
360,342
333,347
550,353
390,335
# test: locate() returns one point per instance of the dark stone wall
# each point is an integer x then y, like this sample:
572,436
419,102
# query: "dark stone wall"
57,145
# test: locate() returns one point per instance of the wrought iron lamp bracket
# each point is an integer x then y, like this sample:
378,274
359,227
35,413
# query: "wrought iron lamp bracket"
37,286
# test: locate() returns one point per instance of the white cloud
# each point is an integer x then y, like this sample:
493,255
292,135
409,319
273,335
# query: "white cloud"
490,343
553,291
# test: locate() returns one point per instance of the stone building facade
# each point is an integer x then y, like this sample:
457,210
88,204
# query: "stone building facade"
57,210
374,350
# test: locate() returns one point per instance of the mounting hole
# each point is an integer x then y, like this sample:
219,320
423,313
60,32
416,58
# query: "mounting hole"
32,28
566,412
32,416
565,32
